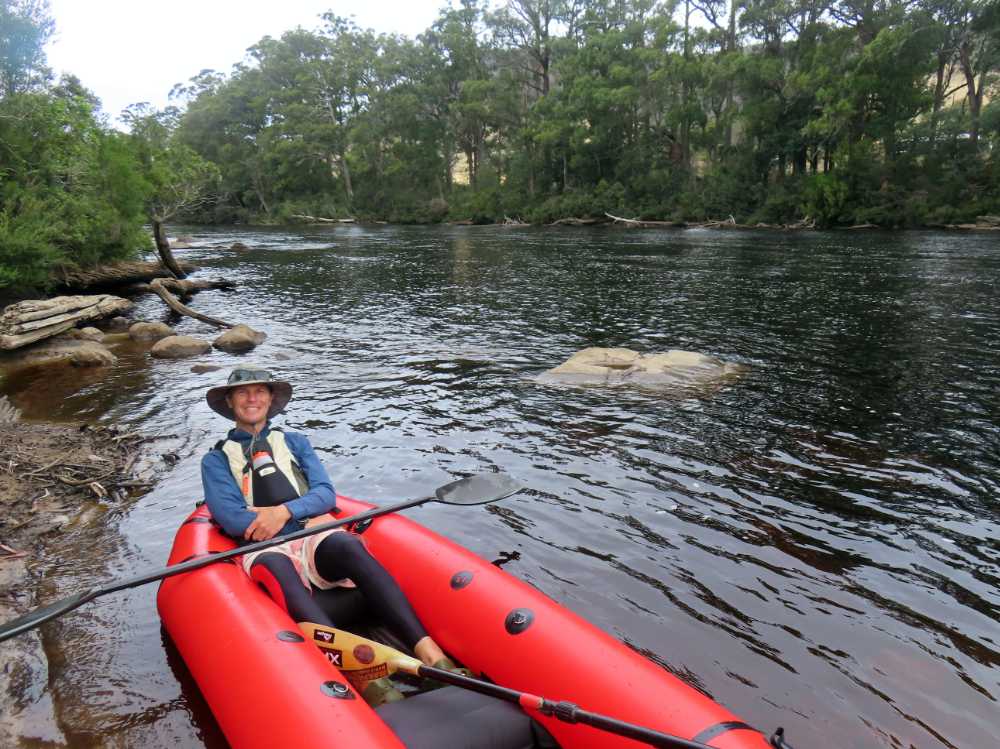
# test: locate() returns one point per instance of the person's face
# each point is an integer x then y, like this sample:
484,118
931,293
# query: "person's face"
250,403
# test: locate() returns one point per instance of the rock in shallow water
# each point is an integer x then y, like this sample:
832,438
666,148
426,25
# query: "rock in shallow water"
608,366
91,354
150,331
238,339
179,347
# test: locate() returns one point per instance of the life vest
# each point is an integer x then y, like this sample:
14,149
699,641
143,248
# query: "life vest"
266,471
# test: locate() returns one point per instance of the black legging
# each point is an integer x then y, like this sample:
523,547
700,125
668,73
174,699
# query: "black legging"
340,555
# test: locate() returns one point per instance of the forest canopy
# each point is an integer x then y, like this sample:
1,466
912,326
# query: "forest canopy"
842,111
839,112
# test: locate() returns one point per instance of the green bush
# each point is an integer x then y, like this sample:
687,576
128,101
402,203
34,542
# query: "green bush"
72,193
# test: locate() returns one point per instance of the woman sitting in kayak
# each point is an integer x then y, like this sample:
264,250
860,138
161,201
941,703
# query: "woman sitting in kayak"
261,482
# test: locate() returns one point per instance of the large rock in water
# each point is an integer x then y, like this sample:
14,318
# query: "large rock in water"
179,347
91,354
608,366
238,339
150,331
78,352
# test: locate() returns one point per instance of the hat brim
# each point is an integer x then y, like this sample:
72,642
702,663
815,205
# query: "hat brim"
281,390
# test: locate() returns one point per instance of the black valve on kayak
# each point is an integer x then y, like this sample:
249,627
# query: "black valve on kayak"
778,740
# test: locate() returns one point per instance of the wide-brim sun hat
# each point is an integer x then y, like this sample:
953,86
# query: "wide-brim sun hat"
280,390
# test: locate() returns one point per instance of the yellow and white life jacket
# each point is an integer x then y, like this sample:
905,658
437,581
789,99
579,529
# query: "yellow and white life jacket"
284,461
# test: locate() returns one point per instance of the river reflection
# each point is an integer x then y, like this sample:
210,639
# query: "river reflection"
813,544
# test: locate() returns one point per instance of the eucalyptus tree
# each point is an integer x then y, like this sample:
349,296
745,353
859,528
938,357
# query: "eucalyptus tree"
178,180
463,79
230,123
318,84
25,27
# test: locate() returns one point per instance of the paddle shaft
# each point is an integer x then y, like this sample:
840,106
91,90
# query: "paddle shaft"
564,711
45,613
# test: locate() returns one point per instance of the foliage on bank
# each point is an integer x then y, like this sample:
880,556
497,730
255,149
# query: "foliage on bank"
74,193
841,111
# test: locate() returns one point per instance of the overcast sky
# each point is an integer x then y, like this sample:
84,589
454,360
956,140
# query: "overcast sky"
128,51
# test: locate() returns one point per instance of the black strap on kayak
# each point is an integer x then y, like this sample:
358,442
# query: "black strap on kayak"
720,728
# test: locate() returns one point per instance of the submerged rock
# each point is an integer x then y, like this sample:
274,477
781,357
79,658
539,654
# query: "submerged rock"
117,324
89,334
150,331
608,366
238,339
179,347
91,354
82,353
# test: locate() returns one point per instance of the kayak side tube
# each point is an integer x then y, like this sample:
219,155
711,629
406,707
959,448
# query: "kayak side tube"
517,637
266,686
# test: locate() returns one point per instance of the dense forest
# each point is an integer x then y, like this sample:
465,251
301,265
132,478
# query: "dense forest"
840,112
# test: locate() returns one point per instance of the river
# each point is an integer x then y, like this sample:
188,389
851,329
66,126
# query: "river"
815,544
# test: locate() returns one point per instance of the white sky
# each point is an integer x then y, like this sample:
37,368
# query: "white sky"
129,51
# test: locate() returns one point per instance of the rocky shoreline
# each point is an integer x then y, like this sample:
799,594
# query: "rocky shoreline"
53,478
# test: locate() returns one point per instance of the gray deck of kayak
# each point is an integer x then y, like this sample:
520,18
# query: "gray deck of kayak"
459,719
448,717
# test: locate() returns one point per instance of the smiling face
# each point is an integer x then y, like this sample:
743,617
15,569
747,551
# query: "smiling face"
250,403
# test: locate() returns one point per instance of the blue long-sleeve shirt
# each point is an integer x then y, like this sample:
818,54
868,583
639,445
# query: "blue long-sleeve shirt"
228,505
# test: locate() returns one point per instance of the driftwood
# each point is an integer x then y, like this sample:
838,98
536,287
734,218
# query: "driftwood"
159,287
577,222
321,220
729,223
8,413
508,221
119,274
30,321
638,223
183,287
163,247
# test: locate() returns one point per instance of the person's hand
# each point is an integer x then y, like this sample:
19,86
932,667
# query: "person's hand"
318,520
268,522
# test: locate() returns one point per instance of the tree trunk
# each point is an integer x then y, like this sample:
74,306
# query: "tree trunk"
973,94
163,247
348,187
158,287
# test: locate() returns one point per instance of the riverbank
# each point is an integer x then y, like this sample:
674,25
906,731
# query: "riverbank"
53,478
981,224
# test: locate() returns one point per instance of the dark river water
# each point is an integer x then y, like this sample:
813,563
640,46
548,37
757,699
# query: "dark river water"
814,544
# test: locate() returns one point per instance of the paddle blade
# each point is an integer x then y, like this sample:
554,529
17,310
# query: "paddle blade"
41,615
357,657
478,489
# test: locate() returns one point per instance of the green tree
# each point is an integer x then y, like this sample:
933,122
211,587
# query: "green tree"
25,27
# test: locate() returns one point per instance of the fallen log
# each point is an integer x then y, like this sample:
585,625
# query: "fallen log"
322,220
158,286
577,221
30,321
640,224
118,274
183,287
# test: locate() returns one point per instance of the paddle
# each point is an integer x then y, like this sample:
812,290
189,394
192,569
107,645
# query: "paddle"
361,660
479,489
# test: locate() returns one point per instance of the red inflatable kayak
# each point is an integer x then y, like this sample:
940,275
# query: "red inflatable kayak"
269,687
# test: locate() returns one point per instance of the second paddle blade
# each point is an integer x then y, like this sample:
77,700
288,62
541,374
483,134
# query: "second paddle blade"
478,489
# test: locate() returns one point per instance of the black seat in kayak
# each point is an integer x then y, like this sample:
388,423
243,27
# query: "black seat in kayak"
459,719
